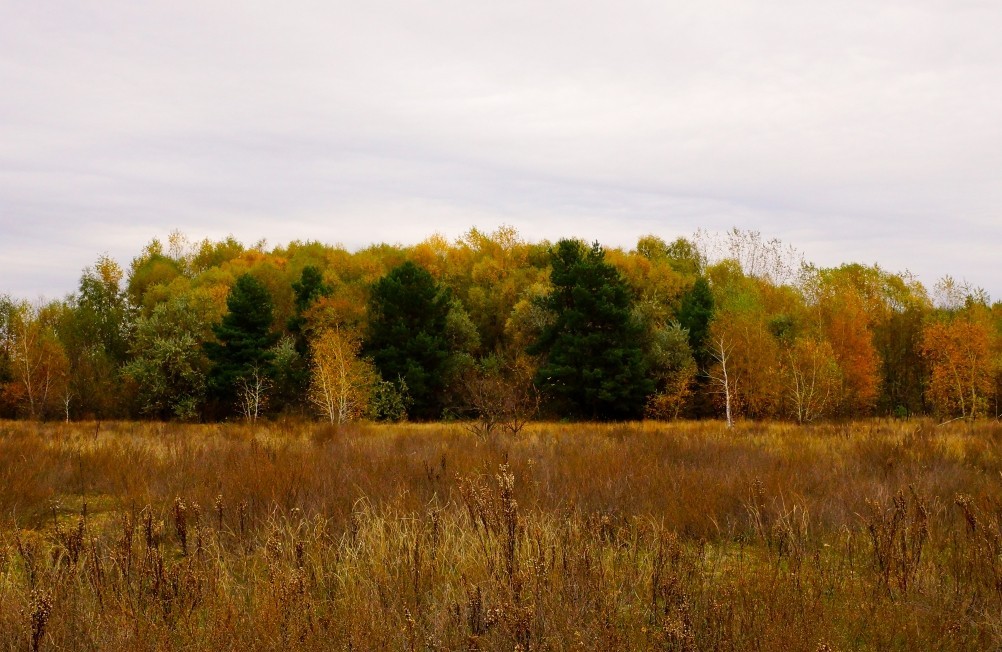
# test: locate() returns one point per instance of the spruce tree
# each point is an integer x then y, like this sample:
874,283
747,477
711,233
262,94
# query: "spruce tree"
244,340
594,364
407,335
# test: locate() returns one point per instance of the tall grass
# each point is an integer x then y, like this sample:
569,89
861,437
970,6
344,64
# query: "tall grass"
874,535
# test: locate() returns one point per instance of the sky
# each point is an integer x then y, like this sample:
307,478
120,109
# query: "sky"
858,131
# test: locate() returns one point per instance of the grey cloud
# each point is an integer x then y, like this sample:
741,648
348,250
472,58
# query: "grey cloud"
855,131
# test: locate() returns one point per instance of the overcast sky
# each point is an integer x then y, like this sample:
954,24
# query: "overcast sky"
857,131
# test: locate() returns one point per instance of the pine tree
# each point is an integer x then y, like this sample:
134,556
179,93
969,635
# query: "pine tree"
307,290
407,335
695,315
594,363
243,350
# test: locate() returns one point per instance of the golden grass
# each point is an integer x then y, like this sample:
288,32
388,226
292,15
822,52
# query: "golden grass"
874,535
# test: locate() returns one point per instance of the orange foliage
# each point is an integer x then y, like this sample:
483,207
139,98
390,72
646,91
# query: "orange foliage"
846,325
962,368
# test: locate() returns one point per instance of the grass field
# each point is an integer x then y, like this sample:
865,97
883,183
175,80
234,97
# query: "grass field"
865,536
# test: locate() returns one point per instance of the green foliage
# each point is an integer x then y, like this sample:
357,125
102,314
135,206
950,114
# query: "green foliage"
495,295
784,328
594,364
673,368
168,368
215,254
682,255
104,309
244,339
94,327
306,291
390,401
148,270
287,371
460,331
407,335
652,248
694,316
7,314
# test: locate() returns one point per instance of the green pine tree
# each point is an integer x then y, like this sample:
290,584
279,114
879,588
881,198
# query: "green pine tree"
594,363
407,335
294,378
306,290
695,315
244,340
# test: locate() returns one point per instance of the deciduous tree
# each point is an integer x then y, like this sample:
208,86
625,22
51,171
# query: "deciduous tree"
341,382
169,367
38,367
959,351
811,378
673,369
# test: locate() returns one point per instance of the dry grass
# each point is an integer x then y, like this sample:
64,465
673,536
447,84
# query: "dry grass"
875,535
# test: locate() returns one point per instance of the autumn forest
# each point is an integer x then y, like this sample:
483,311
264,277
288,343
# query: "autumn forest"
498,331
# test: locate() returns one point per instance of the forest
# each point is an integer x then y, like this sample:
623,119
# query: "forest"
498,331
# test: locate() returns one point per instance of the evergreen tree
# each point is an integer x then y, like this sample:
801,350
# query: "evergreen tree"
695,315
407,335
243,349
295,376
594,363
307,289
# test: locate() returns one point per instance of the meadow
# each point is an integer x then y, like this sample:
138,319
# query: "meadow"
874,535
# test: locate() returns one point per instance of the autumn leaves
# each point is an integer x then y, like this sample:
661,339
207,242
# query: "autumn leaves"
691,328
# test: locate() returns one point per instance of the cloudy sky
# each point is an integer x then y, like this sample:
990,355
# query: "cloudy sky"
862,130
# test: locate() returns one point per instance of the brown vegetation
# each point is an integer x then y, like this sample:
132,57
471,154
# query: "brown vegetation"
875,535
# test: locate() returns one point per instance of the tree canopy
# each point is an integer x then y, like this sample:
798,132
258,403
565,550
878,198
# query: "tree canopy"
219,329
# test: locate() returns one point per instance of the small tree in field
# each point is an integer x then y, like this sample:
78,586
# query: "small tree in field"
500,393
341,383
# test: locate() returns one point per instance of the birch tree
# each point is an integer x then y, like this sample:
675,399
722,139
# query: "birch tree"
38,365
341,382
812,378
721,379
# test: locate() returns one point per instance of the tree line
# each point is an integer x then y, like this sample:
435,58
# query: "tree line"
499,330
